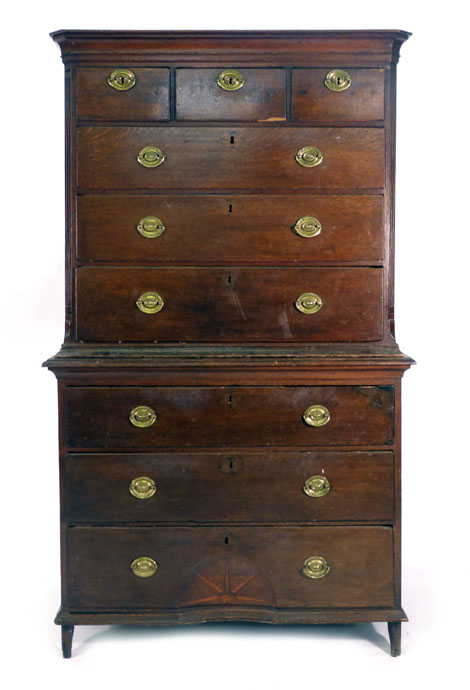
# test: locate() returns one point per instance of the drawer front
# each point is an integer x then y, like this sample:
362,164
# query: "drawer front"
230,158
231,305
98,417
221,487
230,229
229,566
363,99
261,96
147,99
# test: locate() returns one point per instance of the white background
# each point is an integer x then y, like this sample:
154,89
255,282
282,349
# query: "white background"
431,315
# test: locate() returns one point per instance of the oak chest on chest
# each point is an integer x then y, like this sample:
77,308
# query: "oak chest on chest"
229,384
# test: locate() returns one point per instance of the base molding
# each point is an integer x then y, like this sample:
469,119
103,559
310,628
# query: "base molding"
230,613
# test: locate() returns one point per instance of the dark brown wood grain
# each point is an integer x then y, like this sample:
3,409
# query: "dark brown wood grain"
231,305
217,566
262,97
230,229
225,487
98,417
205,158
363,100
148,99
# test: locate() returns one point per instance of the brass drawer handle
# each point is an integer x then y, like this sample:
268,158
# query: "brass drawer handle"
142,487
337,80
316,486
151,157
150,226
122,79
308,303
230,80
144,566
316,415
315,567
150,303
142,416
309,156
308,226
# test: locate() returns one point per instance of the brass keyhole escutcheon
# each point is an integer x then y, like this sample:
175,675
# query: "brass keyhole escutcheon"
309,156
316,486
144,566
337,80
142,416
230,80
150,303
308,303
150,227
122,79
315,567
142,487
308,226
316,415
151,157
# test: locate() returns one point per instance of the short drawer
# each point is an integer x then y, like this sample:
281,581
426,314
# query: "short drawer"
230,229
229,566
230,94
224,487
106,94
229,305
100,417
362,100
251,158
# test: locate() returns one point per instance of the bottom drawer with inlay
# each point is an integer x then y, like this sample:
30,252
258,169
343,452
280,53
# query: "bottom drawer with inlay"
149,567
221,487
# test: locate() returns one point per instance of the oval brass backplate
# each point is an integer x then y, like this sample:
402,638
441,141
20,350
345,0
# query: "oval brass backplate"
316,486
144,566
151,157
142,487
142,416
150,227
309,156
122,79
316,415
150,303
230,80
337,80
308,303
308,226
315,567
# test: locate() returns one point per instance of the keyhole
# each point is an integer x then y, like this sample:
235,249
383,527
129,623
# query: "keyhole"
226,540
232,139
230,208
230,402
121,79
339,80
230,465
230,80
229,279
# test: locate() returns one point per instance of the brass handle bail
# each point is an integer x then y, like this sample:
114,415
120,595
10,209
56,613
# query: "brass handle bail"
150,227
316,415
151,157
308,226
316,486
142,487
309,156
142,416
144,566
150,303
308,303
315,567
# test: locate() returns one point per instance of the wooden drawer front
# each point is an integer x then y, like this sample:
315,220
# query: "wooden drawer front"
362,101
98,417
220,566
199,97
206,158
231,229
148,99
220,487
231,305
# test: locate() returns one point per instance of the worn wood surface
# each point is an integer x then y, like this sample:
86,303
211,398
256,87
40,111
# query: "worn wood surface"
231,305
98,417
230,229
224,487
205,158
229,565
